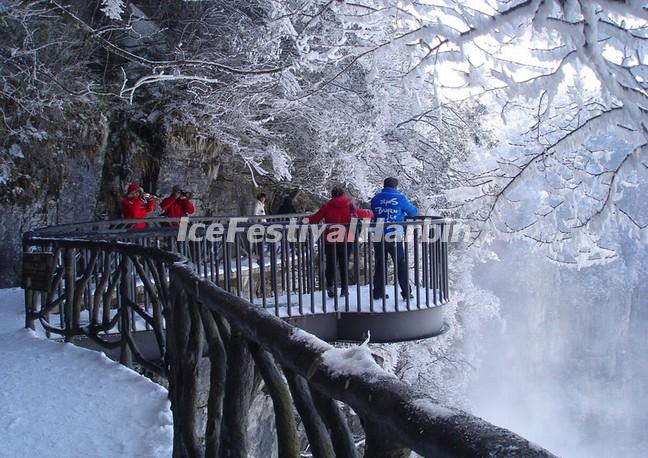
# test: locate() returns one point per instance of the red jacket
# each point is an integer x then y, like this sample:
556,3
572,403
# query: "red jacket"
176,208
135,208
339,210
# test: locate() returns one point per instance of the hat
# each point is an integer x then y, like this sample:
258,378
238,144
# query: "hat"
133,187
391,182
177,188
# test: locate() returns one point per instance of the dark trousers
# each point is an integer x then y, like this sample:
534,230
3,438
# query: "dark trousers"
397,253
336,253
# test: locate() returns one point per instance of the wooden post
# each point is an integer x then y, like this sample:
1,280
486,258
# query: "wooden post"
239,386
318,436
171,362
377,444
184,349
287,438
101,288
69,289
81,286
217,377
341,436
125,354
192,335
29,309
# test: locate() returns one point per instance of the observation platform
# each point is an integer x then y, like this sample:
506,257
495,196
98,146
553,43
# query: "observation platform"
98,278
147,297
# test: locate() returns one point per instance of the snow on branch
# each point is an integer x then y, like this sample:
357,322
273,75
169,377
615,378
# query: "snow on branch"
79,23
113,8
571,78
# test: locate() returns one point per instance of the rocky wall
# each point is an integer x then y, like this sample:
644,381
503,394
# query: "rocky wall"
79,173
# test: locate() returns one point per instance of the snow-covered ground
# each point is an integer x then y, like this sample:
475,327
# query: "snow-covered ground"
59,400
321,303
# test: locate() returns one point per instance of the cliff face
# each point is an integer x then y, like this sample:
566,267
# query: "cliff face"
83,121
53,177
77,171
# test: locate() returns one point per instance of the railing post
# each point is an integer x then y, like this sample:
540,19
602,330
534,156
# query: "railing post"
171,359
287,437
29,308
69,289
318,436
184,349
377,445
125,354
217,377
29,298
341,436
239,387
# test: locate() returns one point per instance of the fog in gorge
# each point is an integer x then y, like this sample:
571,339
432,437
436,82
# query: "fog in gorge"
566,364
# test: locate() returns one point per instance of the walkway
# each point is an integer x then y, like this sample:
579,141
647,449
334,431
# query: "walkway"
61,400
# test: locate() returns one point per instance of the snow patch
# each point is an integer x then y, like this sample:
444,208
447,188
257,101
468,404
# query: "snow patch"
352,361
434,410
113,8
61,400
299,335
16,151
6,168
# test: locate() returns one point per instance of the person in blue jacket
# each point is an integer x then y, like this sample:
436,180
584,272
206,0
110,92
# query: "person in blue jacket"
391,206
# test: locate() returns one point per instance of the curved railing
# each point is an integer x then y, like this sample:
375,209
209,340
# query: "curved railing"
285,271
116,226
98,283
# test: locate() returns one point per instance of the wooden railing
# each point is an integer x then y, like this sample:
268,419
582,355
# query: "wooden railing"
98,287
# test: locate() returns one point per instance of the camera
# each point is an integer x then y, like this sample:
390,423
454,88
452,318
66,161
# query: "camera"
186,194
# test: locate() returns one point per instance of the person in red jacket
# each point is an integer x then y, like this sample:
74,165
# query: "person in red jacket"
338,244
137,205
177,204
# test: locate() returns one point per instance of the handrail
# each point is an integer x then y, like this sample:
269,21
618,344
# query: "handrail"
157,221
388,404
191,309
294,279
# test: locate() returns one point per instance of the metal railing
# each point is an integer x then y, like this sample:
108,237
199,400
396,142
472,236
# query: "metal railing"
100,283
291,276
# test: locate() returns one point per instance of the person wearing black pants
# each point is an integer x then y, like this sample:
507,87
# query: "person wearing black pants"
397,253
338,242
391,207
341,253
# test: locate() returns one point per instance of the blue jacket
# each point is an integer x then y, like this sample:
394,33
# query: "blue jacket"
391,205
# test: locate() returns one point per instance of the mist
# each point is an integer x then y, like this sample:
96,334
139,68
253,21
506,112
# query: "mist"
566,362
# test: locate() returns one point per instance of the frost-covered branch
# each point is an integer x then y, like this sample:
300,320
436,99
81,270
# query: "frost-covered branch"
96,35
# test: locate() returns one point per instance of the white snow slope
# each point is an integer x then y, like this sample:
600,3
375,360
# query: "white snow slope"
59,400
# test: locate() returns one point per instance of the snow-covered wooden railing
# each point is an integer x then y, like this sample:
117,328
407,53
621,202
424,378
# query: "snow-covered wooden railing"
192,318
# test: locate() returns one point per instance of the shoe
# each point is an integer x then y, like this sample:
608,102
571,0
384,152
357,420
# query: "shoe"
344,292
377,296
330,292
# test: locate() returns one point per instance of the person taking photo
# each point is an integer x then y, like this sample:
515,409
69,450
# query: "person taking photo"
137,204
177,204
